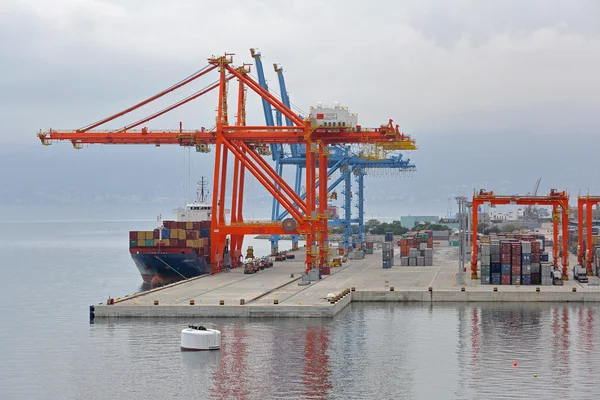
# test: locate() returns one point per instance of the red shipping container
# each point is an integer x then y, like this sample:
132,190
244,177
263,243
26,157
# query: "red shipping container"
133,235
192,235
505,280
156,234
170,224
516,270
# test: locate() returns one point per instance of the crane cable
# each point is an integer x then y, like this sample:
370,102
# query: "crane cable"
174,105
182,82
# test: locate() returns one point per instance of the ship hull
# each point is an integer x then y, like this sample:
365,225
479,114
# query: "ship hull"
161,268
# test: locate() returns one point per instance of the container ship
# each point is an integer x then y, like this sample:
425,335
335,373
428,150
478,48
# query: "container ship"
177,249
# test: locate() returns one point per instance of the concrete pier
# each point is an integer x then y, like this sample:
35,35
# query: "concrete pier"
258,292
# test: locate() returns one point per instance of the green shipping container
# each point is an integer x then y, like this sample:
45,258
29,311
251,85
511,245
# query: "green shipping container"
149,242
133,243
454,243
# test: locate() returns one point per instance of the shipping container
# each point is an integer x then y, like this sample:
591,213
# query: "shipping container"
133,243
505,280
132,235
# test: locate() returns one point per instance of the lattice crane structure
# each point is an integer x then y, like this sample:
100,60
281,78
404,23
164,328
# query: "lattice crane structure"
242,141
349,162
584,256
558,201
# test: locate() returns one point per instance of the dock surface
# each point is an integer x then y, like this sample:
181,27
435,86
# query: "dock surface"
259,292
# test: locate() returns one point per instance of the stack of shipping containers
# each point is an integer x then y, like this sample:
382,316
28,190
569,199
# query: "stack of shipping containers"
416,249
486,272
175,234
512,261
388,250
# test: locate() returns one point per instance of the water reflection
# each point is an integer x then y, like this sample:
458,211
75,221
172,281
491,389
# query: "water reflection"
316,363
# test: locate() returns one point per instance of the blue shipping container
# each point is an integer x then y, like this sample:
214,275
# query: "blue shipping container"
505,269
166,233
544,257
495,279
525,279
496,268
204,232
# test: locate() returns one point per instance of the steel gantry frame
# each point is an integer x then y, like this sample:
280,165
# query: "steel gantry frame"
242,141
558,200
586,255
340,158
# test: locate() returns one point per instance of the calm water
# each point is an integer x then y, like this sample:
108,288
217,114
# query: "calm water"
52,272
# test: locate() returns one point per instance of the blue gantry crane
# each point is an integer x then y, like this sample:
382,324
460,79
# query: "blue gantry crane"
341,158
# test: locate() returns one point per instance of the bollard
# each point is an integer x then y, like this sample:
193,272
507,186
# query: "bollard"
242,302
537,289
155,302
291,275
353,289
574,289
275,301
391,289
430,289
462,289
221,302
192,302
495,289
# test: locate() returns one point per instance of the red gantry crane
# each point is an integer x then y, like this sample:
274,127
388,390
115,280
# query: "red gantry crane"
558,200
307,216
582,255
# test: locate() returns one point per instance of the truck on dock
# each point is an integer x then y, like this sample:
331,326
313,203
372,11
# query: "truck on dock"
580,274
557,277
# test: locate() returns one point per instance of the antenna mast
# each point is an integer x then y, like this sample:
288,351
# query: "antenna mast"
202,190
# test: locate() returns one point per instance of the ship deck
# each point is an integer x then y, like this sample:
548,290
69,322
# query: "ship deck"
372,283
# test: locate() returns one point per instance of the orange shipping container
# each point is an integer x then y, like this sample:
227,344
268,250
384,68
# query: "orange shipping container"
189,225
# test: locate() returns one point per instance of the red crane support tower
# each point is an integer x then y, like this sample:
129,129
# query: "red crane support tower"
555,199
582,255
308,217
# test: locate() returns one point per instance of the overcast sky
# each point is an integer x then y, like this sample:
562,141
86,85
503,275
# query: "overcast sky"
470,80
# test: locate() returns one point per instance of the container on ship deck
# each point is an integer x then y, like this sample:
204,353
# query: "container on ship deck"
191,235
165,242
133,235
204,232
485,279
544,257
525,279
515,269
166,233
133,243
536,279
149,242
515,280
189,225
505,280
505,269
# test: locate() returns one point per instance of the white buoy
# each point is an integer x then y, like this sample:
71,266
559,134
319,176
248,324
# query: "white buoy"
195,338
